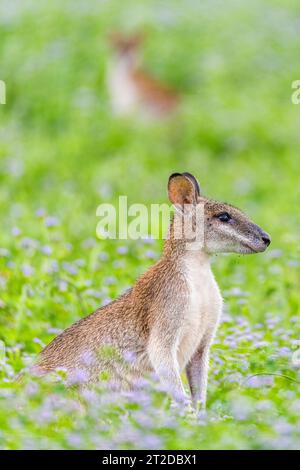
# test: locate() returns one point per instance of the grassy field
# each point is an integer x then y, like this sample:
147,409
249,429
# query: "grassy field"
62,153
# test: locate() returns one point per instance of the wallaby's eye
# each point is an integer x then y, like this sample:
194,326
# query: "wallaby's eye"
224,217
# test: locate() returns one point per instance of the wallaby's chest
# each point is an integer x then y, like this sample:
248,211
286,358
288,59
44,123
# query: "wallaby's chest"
122,89
202,310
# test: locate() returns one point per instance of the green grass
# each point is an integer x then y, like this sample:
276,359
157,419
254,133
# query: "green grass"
62,153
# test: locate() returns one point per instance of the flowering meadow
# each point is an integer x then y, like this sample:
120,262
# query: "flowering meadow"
62,153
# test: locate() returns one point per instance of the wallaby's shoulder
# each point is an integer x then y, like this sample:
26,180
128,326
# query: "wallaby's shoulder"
163,274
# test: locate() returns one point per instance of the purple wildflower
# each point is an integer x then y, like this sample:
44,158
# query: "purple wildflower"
75,440
87,358
70,268
27,270
77,376
148,240
62,285
51,221
122,250
15,231
47,250
110,280
106,301
129,356
150,254
40,212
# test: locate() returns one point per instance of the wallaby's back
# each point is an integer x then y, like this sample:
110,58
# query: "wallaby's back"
123,326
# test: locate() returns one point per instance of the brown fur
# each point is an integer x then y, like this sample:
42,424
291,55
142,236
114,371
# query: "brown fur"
158,319
144,92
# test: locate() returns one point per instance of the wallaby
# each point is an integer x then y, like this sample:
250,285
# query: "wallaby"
168,319
133,90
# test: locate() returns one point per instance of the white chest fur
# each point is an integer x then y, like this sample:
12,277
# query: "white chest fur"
203,309
121,86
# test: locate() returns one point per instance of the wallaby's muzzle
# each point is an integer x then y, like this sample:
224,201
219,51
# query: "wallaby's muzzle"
259,242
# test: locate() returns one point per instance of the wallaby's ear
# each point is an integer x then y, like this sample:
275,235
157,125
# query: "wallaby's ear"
194,181
183,188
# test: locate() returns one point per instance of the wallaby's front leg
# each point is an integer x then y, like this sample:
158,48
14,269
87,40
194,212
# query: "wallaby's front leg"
164,361
197,373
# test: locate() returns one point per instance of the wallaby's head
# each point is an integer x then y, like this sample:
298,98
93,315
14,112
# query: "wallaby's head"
126,46
219,227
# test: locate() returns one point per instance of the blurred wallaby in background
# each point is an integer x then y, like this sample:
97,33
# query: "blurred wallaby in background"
132,90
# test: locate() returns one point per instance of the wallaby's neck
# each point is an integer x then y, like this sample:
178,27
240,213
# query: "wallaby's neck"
198,257
179,249
125,63
176,252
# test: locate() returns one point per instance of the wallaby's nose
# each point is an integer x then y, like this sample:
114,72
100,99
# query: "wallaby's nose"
266,239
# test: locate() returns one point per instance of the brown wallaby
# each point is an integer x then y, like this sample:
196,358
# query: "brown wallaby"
168,319
133,90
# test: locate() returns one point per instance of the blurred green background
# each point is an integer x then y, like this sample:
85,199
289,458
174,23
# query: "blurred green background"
62,153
